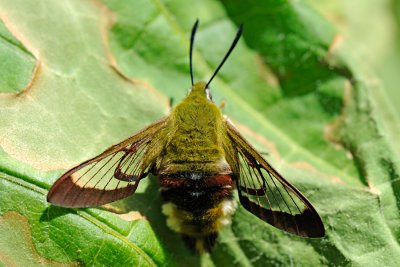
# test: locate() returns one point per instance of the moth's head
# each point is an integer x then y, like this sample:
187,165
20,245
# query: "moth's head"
202,88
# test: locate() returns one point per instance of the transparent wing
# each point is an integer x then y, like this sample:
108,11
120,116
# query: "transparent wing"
112,175
266,194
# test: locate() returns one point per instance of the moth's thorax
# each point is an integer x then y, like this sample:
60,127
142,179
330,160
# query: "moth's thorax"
196,133
197,114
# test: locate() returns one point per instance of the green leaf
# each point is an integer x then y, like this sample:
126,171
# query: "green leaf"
16,63
91,73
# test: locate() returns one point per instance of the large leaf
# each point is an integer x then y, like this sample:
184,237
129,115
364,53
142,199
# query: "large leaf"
89,74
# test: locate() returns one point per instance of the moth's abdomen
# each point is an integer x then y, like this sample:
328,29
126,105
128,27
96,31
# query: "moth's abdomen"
197,206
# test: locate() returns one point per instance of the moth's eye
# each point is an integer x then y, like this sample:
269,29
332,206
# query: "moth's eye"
208,94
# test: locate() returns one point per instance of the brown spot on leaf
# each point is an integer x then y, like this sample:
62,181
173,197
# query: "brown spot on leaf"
308,167
36,72
372,188
33,160
105,29
17,148
16,247
335,44
18,35
127,216
349,155
131,216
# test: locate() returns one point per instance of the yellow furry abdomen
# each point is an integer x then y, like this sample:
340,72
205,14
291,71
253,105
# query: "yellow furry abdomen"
208,222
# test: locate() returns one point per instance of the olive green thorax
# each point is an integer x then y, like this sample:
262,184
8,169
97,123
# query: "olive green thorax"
194,139
196,135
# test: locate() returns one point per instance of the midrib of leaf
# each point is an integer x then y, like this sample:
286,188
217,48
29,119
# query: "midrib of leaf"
25,178
246,107
87,216
21,182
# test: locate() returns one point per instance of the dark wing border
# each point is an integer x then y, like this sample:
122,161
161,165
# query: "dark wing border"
66,192
305,223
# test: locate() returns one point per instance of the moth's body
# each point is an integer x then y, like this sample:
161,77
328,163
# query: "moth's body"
196,134
195,177
198,158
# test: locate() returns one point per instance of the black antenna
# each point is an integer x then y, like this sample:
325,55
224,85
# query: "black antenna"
191,48
238,34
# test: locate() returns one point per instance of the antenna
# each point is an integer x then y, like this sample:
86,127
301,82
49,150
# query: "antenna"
238,34
191,48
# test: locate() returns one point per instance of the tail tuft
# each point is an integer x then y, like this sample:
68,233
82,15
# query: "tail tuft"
202,244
